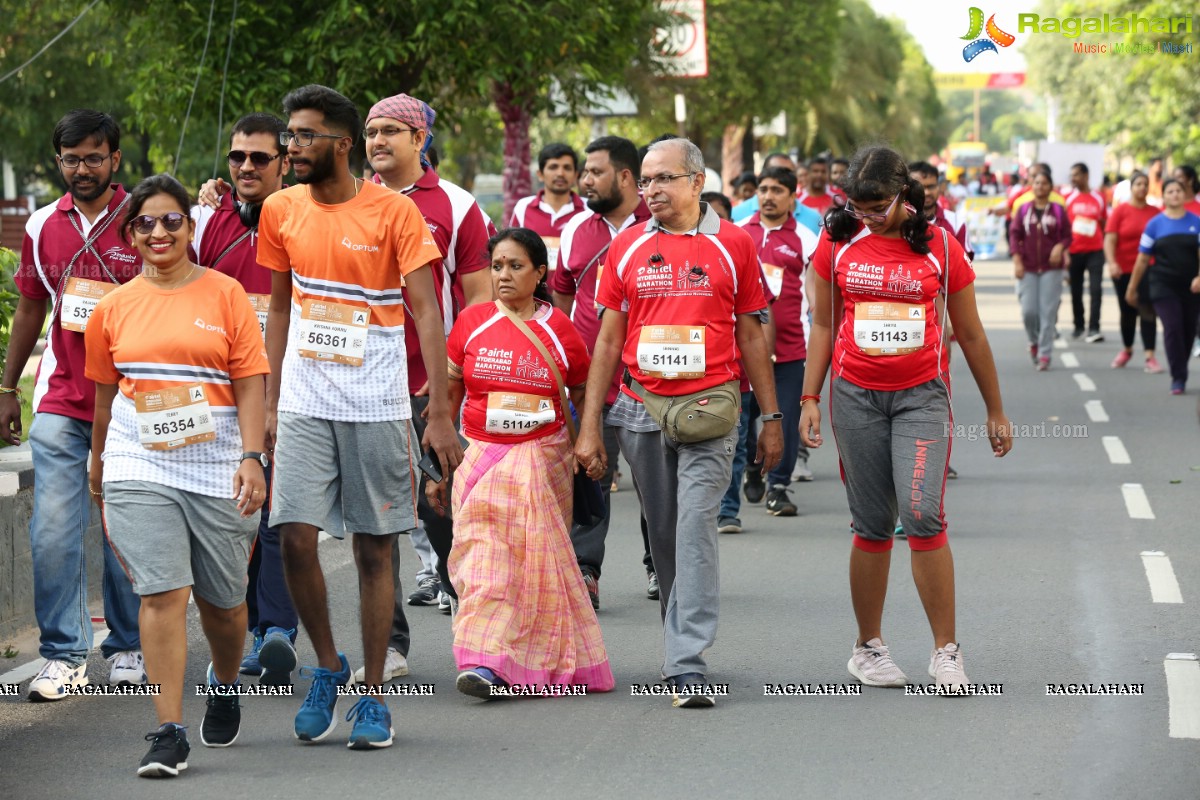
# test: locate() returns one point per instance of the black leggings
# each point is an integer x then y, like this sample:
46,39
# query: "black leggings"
1131,314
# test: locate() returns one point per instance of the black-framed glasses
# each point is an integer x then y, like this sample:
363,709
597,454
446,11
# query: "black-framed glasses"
171,221
305,138
91,161
259,159
876,217
662,180
387,133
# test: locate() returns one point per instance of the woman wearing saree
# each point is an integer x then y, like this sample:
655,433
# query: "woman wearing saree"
524,617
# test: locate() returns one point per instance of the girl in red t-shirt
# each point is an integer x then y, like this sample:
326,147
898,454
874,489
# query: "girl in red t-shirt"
883,283
1125,226
524,615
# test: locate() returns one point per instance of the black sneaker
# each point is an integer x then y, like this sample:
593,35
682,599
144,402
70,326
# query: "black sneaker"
753,486
223,717
690,690
593,588
1077,333
779,504
1093,337
168,752
426,593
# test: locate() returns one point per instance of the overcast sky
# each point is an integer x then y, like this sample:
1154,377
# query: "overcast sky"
938,26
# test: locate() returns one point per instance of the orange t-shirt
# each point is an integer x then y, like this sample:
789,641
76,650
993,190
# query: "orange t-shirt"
147,339
354,254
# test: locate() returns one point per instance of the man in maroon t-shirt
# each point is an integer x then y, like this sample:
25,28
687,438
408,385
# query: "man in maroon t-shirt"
226,240
73,254
546,212
609,180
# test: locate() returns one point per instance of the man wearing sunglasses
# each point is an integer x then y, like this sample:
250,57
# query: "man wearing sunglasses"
72,255
226,240
397,135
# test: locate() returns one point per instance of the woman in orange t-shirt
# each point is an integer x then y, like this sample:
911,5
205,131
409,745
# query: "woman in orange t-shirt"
178,362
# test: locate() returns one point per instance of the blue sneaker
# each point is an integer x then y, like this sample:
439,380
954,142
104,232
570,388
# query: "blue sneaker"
315,720
373,726
250,664
277,657
478,682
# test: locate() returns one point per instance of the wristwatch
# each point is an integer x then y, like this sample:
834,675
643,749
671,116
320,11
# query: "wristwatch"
259,457
777,415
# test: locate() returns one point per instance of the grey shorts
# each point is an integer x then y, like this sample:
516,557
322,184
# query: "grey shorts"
894,449
344,477
168,539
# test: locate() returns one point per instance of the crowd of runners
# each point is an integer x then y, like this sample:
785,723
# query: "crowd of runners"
234,368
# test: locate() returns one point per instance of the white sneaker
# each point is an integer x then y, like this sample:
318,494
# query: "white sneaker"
802,472
872,664
128,668
443,601
946,668
394,666
52,680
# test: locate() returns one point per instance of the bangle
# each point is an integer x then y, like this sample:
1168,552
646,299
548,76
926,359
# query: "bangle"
95,493
805,397
14,390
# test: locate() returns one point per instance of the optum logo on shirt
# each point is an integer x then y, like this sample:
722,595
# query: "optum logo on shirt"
359,248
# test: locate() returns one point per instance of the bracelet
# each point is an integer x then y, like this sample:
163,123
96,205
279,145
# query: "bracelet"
94,493
805,397
14,390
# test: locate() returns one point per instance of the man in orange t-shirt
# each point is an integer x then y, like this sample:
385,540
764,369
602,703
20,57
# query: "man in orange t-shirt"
337,402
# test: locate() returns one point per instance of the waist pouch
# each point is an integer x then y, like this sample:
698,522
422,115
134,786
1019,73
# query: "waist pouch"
697,417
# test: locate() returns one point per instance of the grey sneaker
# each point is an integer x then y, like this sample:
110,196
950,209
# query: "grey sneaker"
426,593
802,472
729,525
872,664
946,668
443,600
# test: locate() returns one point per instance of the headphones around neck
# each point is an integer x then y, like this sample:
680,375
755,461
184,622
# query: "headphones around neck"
248,213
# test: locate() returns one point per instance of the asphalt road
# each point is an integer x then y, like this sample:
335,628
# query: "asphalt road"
1051,590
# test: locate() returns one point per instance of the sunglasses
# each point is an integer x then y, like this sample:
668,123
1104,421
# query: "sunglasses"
259,160
171,222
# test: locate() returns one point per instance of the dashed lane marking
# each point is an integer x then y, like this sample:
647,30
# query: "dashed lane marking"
1070,360
1117,454
1163,586
1136,502
1086,384
1095,411
1183,695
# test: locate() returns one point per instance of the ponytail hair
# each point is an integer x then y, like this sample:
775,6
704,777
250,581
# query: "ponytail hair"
880,173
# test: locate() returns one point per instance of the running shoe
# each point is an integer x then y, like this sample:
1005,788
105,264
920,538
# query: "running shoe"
753,486
1094,337
802,472
1177,387
1043,364
899,532
277,656
444,601
779,504
394,666
729,525
951,473
592,582
222,715
652,585
1152,366
54,678
315,720
168,752
372,724
426,593
688,691
1033,353
946,668
872,664
478,682
128,668
1077,333
1122,359
250,664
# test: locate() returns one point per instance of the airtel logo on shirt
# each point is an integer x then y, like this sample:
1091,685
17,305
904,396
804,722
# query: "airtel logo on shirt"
359,248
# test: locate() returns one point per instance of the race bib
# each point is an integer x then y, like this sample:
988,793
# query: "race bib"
334,332
1084,226
79,300
774,278
261,303
552,243
671,352
889,329
511,413
172,418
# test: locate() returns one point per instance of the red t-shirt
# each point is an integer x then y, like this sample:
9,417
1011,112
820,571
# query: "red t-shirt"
682,305
52,244
783,259
511,393
1193,206
1086,212
1128,222
818,202
891,281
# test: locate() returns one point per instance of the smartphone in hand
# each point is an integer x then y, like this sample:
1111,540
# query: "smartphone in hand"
431,466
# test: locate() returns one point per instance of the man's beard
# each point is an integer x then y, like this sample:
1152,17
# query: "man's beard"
605,204
93,192
320,169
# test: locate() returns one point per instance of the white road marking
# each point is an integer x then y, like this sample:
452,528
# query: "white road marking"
1117,454
1070,360
1183,694
1136,502
1086,384
1061,344
1095,411
1163,586
27,671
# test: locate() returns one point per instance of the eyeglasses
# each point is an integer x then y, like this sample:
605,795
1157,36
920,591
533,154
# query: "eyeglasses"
171,222
662,180
387,133
92,161
259,160
856,214
305,138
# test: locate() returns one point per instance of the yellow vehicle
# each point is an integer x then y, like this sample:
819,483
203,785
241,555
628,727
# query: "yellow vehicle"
965,156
